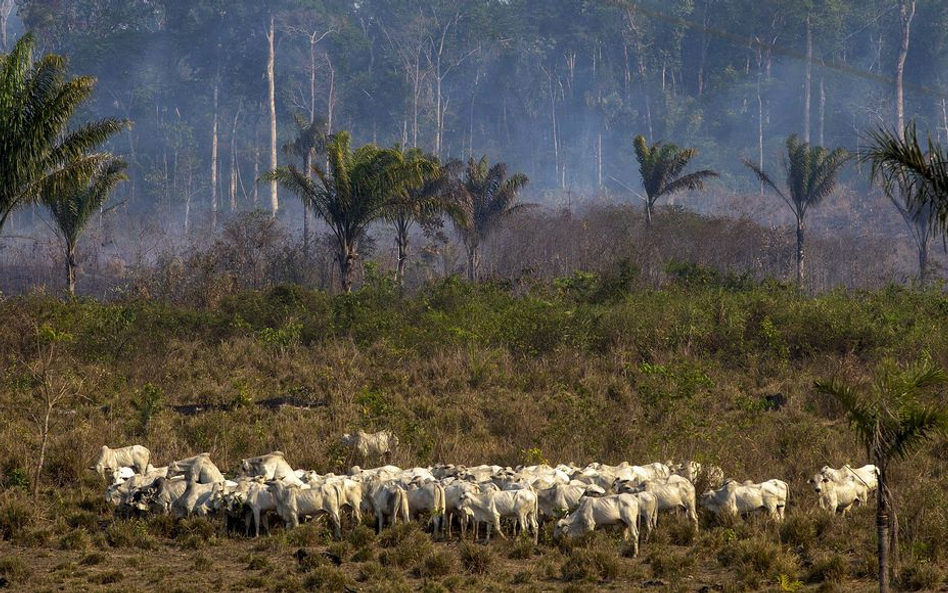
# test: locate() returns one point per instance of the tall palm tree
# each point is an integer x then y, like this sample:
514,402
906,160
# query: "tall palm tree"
39,152
310,139
422,203
661,166
891,418
485,197
356,189
811,174
919,176
75,206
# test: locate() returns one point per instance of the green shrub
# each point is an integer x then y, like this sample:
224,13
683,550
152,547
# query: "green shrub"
439,563
17,514
920,576
831,567
77,539
327,578
476,559
361,537
129,534
14,569
590,565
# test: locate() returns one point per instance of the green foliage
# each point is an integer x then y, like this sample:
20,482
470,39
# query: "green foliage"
661,166
147,403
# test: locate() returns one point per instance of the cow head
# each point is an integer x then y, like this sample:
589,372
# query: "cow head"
818,482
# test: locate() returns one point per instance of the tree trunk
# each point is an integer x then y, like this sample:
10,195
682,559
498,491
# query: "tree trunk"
234,164
271,99
214,160
6,9
923,261
71,270
808,82
599,163
906,14
402,246
308,168
822,112
760,130
44,439
648,213
800,254
347,264
473,261
882,531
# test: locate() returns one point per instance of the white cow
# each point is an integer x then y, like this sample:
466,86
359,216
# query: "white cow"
197,499
427,496
560,499
272,466
199,469
111,460
453,490
735,498
488,507
255,498
674,494
868,475
648,513
618,509
385,500
839,496
366,445
293,502
693,471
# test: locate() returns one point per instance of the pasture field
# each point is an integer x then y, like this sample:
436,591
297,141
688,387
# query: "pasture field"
585,369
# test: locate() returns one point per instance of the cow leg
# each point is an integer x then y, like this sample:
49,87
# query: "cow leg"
256,520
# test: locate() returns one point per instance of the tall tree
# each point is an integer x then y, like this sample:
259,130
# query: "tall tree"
354,191
73,206
485,198
661,166
41,154
310,138
916,181
271,102
811,175
906,14
892,418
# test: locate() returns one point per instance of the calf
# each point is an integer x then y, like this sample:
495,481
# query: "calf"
839,496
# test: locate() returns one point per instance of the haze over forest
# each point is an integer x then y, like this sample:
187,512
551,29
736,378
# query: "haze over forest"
555,89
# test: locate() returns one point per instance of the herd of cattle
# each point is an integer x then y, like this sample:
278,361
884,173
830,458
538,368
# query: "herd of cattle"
579,499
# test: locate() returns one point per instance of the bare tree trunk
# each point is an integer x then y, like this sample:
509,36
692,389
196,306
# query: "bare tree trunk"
808,82
308,168
44,439
271,97
71,270
347,265
331,101
473,262
6,9
402,229
906,14
822,112
599,162
214,159
234,164
760,129
800,254
648,213
882,530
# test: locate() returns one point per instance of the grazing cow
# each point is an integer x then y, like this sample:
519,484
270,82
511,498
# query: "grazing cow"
674,494
272,466
197,499
839,496
351,493
694,471
161,495
868,475
427,496
293,502
111,460
488,507
199,469
386,501
560,499
121,494
378,445
453,489
608,510
255,499
747,498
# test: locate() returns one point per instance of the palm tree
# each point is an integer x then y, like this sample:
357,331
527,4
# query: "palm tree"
484,198
920,176
74,207
891,420
811,174
422,203
357,188
40,153
661,165
310,139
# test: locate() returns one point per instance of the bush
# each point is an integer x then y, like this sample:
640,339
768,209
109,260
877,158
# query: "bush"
327,578
411,548
92,559
439,563
361,537
920,576
522,549
129,534
14,569
756,559
667,564
77,539
832,568
590,565
107,578
17,513
476,559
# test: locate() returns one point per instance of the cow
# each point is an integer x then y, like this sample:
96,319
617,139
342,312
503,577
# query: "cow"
161,495
386,501
694,471
121,494
293,502
617,509
254,499
453,489
648,513
378,445
488,507
427,496
839,496
197,499
868,475
735,498
199,469
272,466
560,499
674,494
111,460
